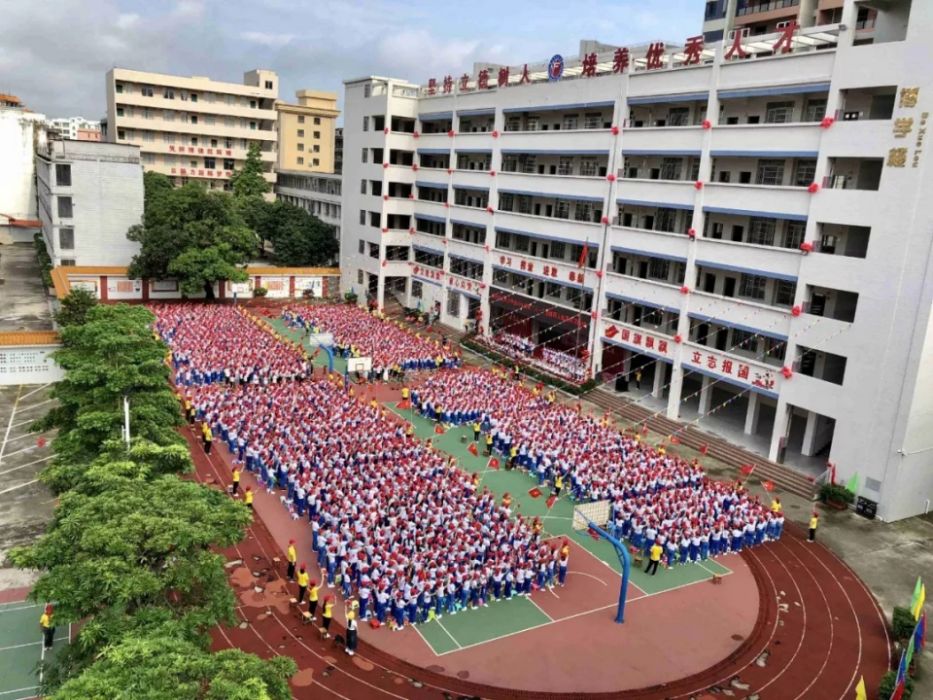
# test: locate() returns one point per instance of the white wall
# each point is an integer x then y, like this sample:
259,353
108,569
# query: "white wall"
28,364
17,169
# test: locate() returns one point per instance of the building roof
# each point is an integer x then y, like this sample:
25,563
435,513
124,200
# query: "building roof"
11,338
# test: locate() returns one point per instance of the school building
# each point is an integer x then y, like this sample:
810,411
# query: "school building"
743,226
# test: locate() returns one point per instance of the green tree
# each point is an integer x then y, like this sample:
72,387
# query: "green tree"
299,239
249,180
181,221
112,355
75,307
140,541
169,668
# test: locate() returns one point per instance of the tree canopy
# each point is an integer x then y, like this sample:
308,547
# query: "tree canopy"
298,238
248,181
182,223
74,307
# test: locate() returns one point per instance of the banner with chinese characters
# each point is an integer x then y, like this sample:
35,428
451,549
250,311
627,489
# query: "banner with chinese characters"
539,309
737,370
562,275
464,284
638,339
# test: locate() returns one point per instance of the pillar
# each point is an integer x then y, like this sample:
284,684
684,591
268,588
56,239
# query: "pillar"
781,423
102,285
673,396
657,389
752,413
627,366
808,448
706,395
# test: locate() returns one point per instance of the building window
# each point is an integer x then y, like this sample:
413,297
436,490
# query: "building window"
269,85
779,112
416,289
561,209
659,269
365,123
761,231
121,134
301,161
147,91
770,171
252,125
317,134
365,156
63,175
65,208
168,94
301,147
66,238
317,121
588,167
301,120
301,133
752,286
362,247
453,304
194,97
68,262
362,217
120,111
784,293
315,161
119,87
228,164
793,237
569,122
316,148
194,118
210,163
805,173
815,110
367,90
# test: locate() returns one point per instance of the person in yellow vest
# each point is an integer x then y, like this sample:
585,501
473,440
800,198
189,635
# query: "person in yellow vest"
814,523
558,483
235,474
327,615
410,430
208,437
47,624
373,403
506,500
189,410
406,393
303,580
291,556
248,497
654,558
488,444
513,456
537,526
352,624
476,429
314,590
776,506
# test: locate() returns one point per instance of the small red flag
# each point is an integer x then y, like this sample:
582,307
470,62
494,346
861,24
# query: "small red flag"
493,463
592,533
551,500
675,440
583,255
403,405
40,442
534,492
439,429
472,449
768,486
747,469
704,449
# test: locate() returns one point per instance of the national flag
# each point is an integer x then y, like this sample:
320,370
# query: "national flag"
747,469
493,463
918,606
860,692
852,484
551,500
901,671
584,254
592,533
768,486
472,449
534,492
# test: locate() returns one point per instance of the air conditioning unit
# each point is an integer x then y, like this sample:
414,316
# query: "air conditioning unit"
744,32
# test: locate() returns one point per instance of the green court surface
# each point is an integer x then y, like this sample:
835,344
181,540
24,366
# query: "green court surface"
296,335
559,520
21,653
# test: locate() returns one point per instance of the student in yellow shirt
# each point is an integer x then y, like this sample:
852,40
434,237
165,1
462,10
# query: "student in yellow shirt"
303,580
47,624
291,555
236,480
814,523
476,429
351,631
208,437
248,497
654,558
313,591
327,615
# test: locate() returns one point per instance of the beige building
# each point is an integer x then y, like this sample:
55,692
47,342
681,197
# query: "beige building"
194,128
306,132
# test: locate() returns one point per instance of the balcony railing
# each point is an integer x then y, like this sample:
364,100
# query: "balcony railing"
767,6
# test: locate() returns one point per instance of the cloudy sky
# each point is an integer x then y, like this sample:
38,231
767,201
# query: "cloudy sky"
54,53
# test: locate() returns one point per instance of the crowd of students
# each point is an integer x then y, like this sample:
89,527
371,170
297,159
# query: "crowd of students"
654,496
212,344
358,332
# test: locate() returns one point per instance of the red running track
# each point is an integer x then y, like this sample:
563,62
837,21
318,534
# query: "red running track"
818,629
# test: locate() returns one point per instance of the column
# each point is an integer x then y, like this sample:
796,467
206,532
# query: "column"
706,395
627,366
673,396
660,369
808,448
781,423
751,415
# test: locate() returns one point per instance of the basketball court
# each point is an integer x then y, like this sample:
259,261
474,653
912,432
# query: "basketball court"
22,655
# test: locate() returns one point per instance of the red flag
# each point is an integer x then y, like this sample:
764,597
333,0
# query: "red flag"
592,533
675,440
584,254
704,449
534,492
403,405
472,449
551,500
493,463
439,429
768,486
747,469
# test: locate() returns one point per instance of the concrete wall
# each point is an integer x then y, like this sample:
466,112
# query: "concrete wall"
28,364
17,170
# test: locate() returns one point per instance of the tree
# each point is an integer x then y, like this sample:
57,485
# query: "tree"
112,355
182,220
75,307
139,542
169,668
299,239
197,268
249,180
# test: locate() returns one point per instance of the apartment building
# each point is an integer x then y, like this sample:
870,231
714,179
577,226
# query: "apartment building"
75,128
723,19
90,193
194,128
21,132
740,228
306,132
318,194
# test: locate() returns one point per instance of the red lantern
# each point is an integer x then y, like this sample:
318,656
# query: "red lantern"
384,263
447,204
385,197
787,372
692,232
450,171
385,230
599,274
40,442
813,188
678,339
445,241
604,220
796,311
411,229
411,196
594,315
611,177
707,124
492,173
486,247
451,133
482,286
414,166
495,133
385,165
386,130
490,210
806,247
416,134
827,122
615,130
698,185
685,289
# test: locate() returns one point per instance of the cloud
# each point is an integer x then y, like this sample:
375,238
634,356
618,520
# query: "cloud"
273,41
127,21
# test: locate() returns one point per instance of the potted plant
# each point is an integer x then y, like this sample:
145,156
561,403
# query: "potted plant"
836,496
260,292
350,297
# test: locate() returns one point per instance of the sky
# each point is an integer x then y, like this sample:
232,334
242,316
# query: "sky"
54,54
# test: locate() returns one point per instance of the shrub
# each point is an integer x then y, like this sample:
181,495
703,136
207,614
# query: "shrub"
902,624
837,493
350,297
887,686
260,292
43,258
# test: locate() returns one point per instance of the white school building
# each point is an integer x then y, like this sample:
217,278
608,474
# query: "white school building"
743,226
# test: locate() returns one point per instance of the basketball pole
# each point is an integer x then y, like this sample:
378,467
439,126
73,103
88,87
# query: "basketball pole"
626,559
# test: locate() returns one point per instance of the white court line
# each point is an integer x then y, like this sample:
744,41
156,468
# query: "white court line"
29,644
20,690
9,424
36,405
595,578
454,639
26,396
21,450
28,464
13,488
530,600
23,436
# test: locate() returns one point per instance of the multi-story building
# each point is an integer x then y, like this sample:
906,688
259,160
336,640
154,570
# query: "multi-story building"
21,132
306,132
75,128
194,128
338,150
750,18
90,193
318,194
743,227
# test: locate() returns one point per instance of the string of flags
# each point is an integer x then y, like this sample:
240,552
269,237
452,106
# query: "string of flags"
917,641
